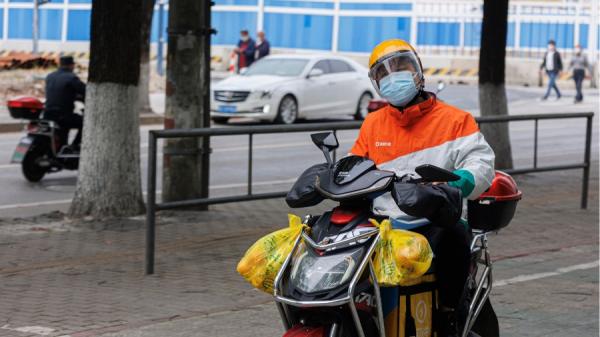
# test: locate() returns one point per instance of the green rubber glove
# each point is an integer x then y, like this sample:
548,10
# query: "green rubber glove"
466,183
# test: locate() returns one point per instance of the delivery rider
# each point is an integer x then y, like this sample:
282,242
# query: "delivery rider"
414,129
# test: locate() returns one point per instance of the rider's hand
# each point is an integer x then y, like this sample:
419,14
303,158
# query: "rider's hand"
466,183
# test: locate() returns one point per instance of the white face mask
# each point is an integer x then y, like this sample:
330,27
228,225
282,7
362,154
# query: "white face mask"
578,50
245,38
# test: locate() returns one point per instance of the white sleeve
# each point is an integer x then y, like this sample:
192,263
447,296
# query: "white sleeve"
475,155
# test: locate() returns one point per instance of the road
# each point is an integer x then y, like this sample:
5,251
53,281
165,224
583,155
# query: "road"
278,159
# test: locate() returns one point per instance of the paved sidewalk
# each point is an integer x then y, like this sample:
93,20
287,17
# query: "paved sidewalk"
76,278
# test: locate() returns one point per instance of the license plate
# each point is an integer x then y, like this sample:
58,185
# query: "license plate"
227,108
21,150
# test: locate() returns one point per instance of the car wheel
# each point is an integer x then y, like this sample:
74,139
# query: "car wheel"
362,108
220,120
288,111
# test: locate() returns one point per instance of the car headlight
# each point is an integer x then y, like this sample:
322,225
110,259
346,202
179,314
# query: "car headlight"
312,272
261,94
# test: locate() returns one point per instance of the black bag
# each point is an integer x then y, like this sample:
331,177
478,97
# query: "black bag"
441,204
303,193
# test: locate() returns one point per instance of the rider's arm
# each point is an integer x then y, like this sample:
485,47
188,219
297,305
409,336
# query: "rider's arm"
360,147
474,162
78,87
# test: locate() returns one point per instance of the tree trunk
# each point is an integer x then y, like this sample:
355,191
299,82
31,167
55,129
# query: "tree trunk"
492,94
186,98
147,12
109,182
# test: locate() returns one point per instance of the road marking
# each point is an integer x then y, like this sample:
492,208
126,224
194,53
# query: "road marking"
559,271
271,146
216,187
34,204
36,330
260,183
219,150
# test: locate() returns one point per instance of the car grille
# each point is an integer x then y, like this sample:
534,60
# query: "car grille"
231,96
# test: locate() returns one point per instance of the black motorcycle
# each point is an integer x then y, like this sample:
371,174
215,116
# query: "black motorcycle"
45,148
327,286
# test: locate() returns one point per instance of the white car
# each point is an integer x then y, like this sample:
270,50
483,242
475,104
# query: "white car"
284,88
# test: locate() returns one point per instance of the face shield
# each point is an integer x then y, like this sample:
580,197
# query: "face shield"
396,62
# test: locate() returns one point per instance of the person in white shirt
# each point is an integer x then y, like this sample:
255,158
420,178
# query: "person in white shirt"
552,64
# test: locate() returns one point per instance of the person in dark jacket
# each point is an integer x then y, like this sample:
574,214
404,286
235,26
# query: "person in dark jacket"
245,50
63,88
263,48
579,64
552,64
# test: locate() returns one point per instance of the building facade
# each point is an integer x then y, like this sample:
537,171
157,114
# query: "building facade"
349,26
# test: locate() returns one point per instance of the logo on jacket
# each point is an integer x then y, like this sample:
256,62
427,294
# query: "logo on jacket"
382,144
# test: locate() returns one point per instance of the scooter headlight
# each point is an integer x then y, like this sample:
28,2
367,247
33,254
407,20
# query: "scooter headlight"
312,272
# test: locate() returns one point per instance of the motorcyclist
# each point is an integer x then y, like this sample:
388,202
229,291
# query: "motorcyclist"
63,88
416,128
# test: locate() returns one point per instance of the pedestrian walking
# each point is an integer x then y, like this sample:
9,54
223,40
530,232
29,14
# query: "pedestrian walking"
263,47
579,64
552,64
245,50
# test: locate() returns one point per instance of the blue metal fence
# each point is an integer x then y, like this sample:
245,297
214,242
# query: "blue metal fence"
338,25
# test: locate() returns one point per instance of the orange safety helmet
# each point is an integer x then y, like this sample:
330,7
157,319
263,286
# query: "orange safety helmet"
390,53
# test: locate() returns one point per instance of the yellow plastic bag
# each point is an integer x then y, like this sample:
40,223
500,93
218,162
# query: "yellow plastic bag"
401,257
264,258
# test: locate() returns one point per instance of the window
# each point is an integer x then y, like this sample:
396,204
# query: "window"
298,30
339,66
277,67
323,65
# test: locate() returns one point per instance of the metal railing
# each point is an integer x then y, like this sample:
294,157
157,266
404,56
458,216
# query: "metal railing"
152,206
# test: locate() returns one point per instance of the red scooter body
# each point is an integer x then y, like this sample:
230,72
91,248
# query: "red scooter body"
304,331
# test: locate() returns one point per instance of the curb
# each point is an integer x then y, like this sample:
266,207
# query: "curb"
474,80
145,119
151,119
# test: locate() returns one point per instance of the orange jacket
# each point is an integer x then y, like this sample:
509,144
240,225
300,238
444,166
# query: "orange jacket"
431,132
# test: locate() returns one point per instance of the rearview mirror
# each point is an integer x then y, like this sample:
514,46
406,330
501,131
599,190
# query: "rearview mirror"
327,142
441,86
315,72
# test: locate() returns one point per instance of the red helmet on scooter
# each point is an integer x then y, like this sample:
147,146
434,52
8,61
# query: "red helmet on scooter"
495,208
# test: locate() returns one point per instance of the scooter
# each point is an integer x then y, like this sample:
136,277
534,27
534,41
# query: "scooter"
327,286
45,148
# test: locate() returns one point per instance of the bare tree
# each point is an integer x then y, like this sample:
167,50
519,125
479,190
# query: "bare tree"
185,167
492,93
109,182
147,13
